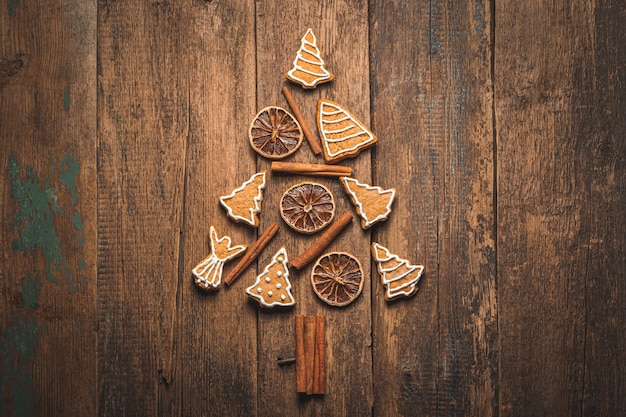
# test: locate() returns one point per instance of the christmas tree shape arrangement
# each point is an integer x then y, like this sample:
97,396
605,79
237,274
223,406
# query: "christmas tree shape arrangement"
272,287
308,66
372,203
208,273
343,135
399,277
244,203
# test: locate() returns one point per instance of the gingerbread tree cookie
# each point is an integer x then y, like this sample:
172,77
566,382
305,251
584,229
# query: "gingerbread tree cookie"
244,203
343,135
308,66
372,203
208,273
399,277
272,287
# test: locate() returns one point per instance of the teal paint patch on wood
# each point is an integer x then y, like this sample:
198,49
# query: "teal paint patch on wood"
30,291
82,264
38,204
78,222
18,347
66,98
11,6
69,171
34,220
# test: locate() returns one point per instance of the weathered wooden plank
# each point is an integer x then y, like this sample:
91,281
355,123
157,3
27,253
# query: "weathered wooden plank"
341,31
143,114
599,106
436,353
560,207
47,209
214,359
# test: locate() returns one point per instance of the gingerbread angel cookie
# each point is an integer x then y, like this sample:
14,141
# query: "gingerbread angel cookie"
244,203
308,66
372,203
343,135
272,287
208,273
399,277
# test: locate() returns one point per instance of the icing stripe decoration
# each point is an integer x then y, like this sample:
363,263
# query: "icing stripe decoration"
208,273
343,135
308,66
398,276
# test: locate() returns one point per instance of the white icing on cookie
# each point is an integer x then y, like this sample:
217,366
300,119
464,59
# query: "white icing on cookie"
368,218
308,47
282,295
326,122
255,205
396,269
208,273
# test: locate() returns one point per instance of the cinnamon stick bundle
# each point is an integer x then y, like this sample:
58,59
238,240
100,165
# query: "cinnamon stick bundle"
252,253
310,355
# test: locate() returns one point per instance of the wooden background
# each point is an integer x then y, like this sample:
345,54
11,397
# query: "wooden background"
501,126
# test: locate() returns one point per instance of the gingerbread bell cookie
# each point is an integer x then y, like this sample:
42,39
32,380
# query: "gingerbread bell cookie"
343,135
372,203
272,287
399,277
308,66
244,203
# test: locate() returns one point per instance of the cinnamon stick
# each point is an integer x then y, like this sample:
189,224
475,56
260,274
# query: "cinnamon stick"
252,253
320,170
313,141
322,242
309,351
300,361
319,374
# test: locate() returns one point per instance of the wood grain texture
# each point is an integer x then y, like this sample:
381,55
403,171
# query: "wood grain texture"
500,124
143,122
436,353
599,106
47,209
214,359
559,112
341,29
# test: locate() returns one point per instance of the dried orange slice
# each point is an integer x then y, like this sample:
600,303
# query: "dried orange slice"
307,207
337,278
275,133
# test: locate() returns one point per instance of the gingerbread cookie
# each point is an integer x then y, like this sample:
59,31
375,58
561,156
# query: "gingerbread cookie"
272,287
244,203
208,273
343,135
372,203
399,277
308,66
